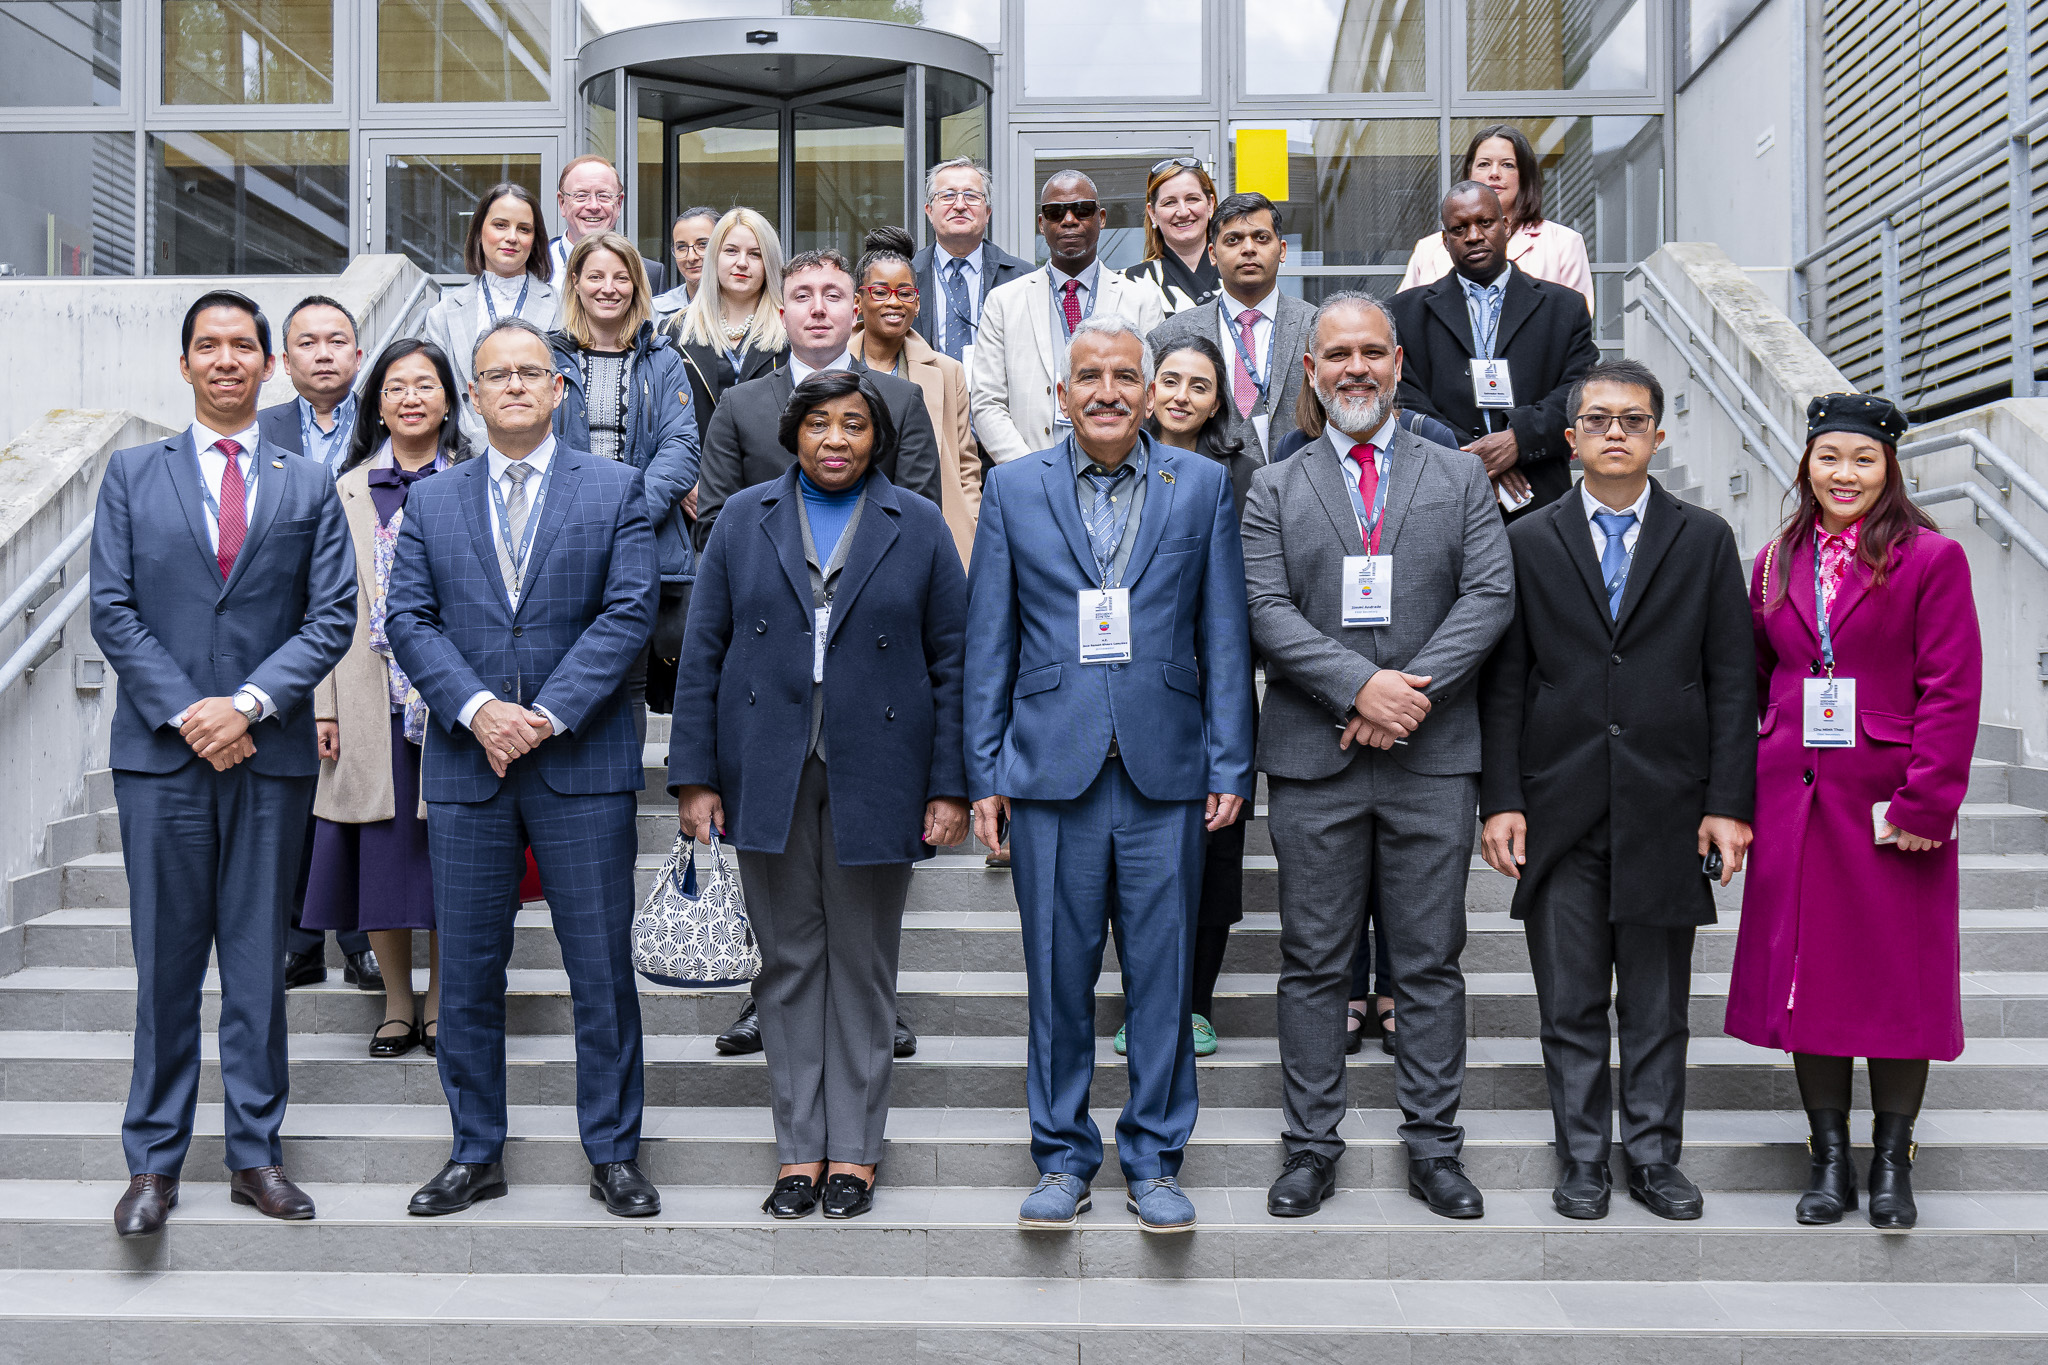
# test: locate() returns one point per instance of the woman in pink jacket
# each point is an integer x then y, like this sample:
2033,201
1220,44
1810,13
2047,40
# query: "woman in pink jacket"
1869,676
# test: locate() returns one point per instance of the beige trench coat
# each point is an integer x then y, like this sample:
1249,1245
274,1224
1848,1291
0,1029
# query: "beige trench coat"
357,789
943,381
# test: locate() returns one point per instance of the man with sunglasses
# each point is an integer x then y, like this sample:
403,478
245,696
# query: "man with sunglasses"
1025,324
955,275
1618,751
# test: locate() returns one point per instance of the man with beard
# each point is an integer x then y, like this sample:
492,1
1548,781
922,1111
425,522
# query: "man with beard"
1379,578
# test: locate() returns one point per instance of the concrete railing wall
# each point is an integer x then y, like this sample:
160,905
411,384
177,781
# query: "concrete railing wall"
51,733
112,344
1785,370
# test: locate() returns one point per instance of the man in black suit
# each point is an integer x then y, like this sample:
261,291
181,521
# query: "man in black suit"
954,276
1618,747
741,446
1488,329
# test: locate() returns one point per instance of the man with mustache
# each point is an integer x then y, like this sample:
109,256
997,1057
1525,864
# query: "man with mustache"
1109,715
1379,578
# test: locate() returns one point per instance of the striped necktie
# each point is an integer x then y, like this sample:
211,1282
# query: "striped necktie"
234,507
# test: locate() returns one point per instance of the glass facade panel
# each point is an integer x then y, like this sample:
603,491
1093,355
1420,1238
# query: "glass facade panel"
955,118
981,20
60,54
1336,47
1082,49
599,17
849,170
480,51
649,226
600,117
1556,44
248,203
67,203
1703,25
1359,192
248,51
430,197
732,164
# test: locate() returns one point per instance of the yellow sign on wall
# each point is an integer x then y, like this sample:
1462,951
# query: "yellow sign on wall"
1262,162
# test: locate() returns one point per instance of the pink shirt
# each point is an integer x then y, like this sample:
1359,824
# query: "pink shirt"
1546,251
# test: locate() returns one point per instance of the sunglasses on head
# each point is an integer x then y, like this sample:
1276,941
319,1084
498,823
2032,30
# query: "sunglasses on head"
1079,208
1186,163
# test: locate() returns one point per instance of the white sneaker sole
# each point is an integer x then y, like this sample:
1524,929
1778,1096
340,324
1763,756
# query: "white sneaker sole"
1055,1224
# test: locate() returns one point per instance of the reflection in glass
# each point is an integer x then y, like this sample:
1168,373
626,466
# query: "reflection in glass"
1556,44
1703,25
248,203
479,51
1083,49
955,118
599,17
981,20
600,117
1337,47
248,52
849,169
1120,189
67,203
429,199
649,226
60,53
731,165
1359,192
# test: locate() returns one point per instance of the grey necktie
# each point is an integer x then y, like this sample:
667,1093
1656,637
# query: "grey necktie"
515,525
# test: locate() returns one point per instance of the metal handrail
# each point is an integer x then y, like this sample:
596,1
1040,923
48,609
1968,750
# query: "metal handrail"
1988,507
47,629
396,330
17,601
1986,453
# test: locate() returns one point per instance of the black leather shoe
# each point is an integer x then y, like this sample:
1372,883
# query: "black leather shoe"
1831,1178
847,1196
361,971
304,969
458,1185
387,1043
146,1204
1663,1189
906,1041
270,1192
794,1196
626,1193
1305,1182
1891,1173
1583,1190
744,1037
1440,1183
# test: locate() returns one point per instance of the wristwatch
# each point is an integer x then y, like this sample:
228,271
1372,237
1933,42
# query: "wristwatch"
247,706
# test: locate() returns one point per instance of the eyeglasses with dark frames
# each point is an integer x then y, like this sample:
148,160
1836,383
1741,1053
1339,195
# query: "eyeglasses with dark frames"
1600,423
1077,208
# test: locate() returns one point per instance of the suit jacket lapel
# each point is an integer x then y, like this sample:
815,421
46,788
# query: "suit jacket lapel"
1326,476
1041,316
1404,467
786,538
988,266
476,510
1057,478
1289,345
1568,518
558,496
1447,301
1517,305
1660,528
270,482
181,457
1798,588
1158,509
871,540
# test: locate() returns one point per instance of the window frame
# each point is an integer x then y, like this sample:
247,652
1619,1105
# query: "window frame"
160,114
513,116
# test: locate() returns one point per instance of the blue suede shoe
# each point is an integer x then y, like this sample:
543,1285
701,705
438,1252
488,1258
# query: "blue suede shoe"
1058,1202
1160,1206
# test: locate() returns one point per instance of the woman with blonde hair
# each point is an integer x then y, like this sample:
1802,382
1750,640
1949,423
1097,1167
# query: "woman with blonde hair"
1180,200
732,331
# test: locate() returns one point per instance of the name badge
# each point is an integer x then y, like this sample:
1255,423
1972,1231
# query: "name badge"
1105,625
1491,385
820,628
1368,590
1830,713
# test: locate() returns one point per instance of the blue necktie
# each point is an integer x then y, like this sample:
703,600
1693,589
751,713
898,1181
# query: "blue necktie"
1105,526
959,313
1614,559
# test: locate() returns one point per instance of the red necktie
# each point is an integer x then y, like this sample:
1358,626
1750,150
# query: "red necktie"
1241,386
234,506
1368,488
1071,304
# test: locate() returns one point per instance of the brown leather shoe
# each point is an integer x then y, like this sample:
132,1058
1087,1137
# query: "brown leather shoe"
273,1196
142,1210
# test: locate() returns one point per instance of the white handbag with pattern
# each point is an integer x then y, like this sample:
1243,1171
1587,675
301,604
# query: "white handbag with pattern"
702,940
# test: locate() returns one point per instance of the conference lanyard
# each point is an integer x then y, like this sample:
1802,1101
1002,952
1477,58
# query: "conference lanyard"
313,440
1369,531
1087,303
248,491
518,306
1820,616
518,555
1251,368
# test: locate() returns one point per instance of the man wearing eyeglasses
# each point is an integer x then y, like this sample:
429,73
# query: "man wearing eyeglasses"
1025,324
956,274
1618,750
590,197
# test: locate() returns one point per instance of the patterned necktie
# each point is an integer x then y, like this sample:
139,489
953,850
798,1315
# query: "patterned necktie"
1614,559
1070,305
1368,485
959,312
515,525
234,507
1104,528
1241,386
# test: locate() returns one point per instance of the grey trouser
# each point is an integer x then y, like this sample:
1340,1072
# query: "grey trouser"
1327,835
827,990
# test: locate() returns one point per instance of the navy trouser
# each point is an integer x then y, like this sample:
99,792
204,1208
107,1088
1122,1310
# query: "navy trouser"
212,861
1110,851
584,847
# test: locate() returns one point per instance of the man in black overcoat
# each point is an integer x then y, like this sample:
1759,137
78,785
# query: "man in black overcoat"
1618,738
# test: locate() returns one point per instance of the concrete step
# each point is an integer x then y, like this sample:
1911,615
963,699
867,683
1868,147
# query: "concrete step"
920,1231
952,1072
1960,1149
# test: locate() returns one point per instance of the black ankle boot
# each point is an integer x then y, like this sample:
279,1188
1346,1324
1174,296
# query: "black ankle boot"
1891,1173
1831,1182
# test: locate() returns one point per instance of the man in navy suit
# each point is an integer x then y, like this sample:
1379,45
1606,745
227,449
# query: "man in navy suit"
524,585
1110,717
223,591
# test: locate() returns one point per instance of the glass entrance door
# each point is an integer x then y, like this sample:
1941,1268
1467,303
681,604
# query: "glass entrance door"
424,191
850,163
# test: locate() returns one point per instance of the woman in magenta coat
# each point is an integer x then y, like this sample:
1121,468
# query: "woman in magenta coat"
1849,945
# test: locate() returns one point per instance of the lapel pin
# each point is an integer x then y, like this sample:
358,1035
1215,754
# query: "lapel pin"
277,464
1165,476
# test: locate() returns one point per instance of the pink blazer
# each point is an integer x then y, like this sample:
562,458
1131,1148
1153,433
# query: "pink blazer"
1547,251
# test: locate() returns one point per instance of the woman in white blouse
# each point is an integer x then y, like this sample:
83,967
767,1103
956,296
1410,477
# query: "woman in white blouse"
1501,157
508,256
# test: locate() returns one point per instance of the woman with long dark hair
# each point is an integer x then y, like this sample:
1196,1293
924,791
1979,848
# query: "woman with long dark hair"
1869,673
369,863
1499,155
506,254
1180,201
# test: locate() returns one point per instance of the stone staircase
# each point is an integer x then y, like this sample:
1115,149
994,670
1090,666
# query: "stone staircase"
940,1272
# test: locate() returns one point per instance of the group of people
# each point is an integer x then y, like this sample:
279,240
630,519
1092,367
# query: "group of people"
934,541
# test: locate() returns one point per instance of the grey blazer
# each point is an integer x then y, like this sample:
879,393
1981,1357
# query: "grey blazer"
1454,595
1290,343
452,323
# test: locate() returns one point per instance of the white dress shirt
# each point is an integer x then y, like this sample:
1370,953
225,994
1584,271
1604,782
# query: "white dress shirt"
799,372
1341,444
213,467
536,485
1628,536
970,280
1262,334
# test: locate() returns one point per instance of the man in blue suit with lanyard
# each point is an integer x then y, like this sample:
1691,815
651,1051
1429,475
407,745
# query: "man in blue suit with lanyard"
1111,720
223,591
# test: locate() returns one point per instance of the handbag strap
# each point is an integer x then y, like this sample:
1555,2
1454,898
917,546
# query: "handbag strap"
1770,553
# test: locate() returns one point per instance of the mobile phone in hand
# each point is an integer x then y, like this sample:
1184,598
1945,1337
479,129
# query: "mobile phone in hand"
1711,865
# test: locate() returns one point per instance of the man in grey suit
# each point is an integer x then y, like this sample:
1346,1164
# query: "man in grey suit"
955,274
1379,579
1263,333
